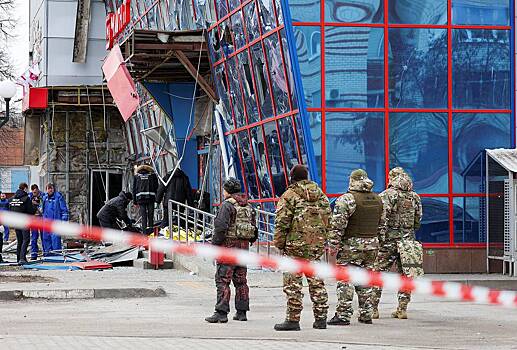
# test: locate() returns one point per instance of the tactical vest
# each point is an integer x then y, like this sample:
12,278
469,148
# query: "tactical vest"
403,217
242,227
364,223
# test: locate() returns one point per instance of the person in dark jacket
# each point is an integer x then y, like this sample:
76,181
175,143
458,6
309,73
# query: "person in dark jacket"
145,185
177,189
21,203
4,205
115,208
226,230
36,197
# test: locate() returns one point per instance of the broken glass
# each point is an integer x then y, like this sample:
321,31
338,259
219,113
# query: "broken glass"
238,31
289,69
276,69
248,88
251,19
236,92
275,158
234,4
222,91
225,37
260,74
214,46
248,164
222,8
267,15
259,152
288,141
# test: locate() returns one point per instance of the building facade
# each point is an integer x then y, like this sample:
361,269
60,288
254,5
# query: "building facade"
427,85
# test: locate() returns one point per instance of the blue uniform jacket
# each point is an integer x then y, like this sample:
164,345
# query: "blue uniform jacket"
4,204
55,207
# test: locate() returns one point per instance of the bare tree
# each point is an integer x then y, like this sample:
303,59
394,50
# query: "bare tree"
7,23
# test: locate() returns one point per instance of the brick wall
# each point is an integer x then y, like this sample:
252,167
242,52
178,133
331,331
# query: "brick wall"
11,146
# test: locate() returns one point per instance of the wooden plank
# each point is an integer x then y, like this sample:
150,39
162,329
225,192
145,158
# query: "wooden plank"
82,22
207,88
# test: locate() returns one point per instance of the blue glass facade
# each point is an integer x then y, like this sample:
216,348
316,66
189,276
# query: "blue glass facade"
372,84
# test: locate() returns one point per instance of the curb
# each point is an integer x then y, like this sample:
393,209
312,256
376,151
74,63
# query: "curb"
115,293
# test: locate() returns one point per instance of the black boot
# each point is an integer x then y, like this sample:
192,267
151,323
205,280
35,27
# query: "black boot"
217,317
320,324
365,320
1,259
288,326
336,321
240,316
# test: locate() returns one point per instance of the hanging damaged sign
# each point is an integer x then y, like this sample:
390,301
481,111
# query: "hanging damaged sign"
120,84
116,22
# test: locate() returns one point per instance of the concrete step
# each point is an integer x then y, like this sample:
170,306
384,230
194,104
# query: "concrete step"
143,263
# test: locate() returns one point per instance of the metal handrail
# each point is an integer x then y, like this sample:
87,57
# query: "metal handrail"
197,226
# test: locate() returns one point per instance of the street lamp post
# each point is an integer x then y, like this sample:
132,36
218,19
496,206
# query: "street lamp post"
7,92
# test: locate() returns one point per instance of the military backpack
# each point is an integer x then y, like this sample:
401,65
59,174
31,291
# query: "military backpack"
242,227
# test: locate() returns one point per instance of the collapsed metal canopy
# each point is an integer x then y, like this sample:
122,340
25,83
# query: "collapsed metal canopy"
153,55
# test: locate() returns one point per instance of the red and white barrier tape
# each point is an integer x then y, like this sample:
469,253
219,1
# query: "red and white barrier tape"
354,275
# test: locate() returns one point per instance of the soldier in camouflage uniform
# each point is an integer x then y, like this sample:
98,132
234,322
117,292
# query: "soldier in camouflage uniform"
403,214
353,234
302,219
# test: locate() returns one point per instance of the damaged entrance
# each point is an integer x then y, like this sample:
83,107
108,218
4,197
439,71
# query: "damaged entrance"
104,185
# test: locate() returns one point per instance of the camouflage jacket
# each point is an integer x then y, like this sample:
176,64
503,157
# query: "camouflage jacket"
302,219
403,209
344,208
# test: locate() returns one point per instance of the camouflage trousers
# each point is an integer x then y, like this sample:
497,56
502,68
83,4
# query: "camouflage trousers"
224,275
350,255
389,255
293,291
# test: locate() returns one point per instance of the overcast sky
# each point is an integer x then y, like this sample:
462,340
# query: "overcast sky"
19,45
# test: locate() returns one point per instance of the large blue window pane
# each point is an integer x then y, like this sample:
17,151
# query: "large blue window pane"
418,68
354,140
435,221
418,12
354,11
305,10
481,12
308,46
469,220
472,134
315,124
354,67
418,143
481,69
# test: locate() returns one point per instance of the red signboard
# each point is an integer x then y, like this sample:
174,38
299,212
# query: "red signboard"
116,23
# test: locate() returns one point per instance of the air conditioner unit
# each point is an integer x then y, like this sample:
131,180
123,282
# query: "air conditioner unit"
333,94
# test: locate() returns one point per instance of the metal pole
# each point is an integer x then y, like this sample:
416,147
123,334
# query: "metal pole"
5,119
